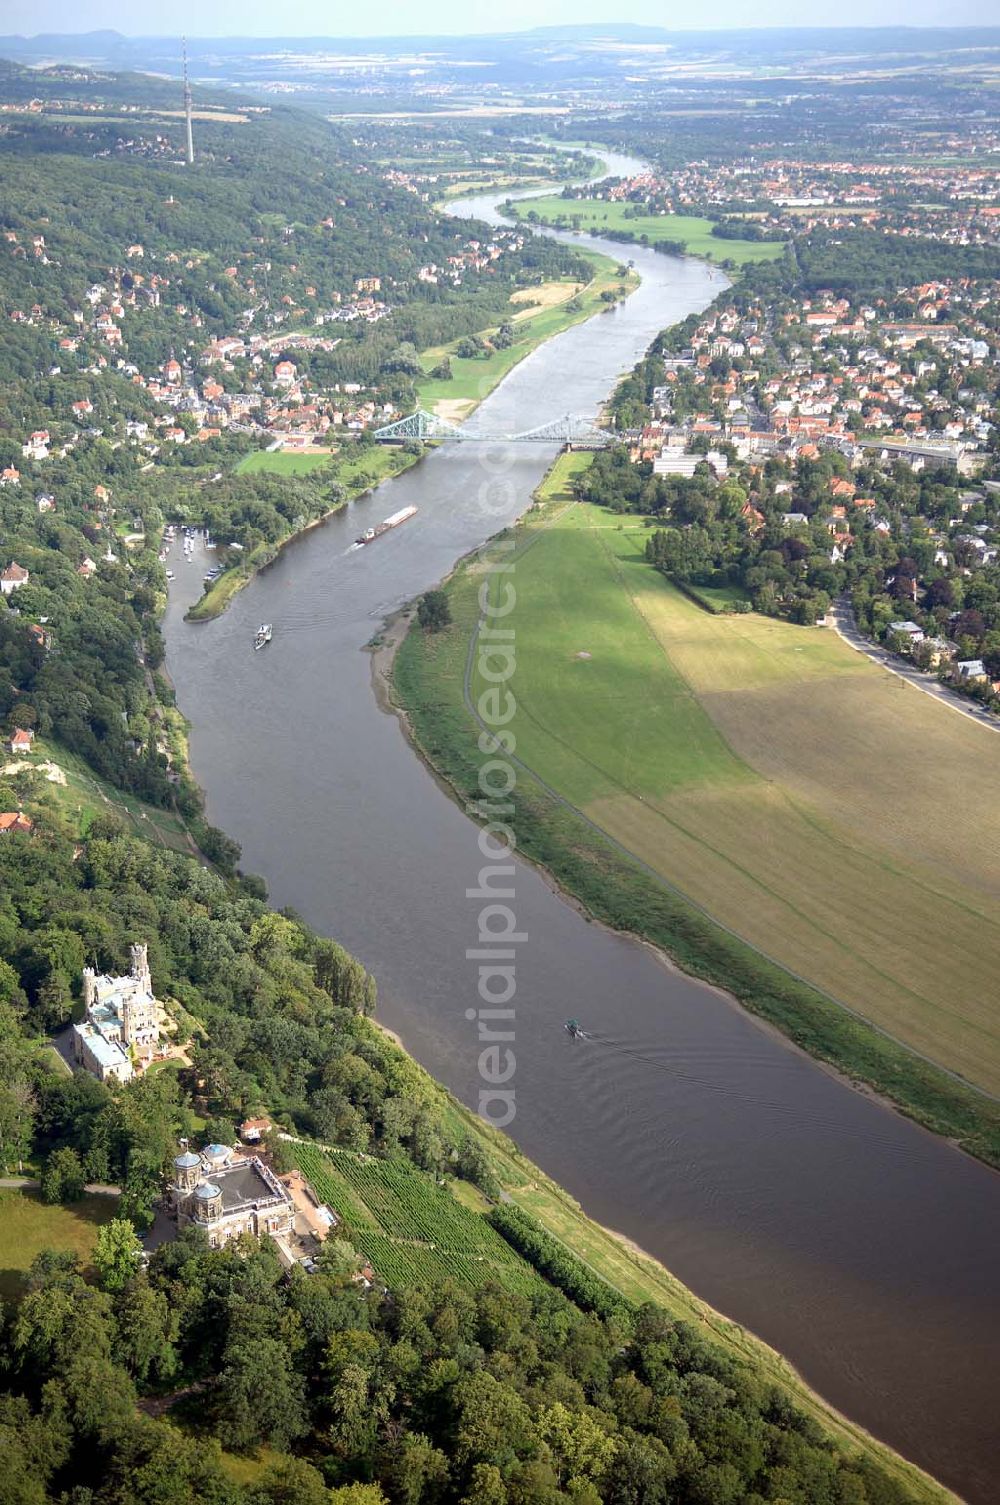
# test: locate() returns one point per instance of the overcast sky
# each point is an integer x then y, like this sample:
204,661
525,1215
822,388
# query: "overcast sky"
405,17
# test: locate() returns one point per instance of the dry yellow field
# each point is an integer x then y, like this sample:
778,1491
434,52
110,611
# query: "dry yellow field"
548,295
843,823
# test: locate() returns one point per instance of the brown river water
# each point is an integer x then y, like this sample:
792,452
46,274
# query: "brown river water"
863,1248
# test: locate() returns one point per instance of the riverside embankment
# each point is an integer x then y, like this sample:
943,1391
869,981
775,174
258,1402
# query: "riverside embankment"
857,1244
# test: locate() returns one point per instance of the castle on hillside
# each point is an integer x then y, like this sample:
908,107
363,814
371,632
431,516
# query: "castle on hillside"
226,1194
121,1029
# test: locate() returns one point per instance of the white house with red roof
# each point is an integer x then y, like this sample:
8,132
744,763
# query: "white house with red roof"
12,578
21,739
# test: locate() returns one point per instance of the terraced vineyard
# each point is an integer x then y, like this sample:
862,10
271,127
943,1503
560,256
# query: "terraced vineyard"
408,1227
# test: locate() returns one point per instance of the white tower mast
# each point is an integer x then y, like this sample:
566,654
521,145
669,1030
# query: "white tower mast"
187,106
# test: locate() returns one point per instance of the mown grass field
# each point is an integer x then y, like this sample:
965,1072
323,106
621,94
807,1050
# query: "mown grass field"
779,783
28,1225
596,216
472,380
282,462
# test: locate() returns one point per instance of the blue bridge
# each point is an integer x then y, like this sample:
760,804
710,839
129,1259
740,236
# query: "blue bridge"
575,433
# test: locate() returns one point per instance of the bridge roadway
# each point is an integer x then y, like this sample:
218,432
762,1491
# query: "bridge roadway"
580,433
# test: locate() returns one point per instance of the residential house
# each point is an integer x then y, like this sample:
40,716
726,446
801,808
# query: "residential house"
12,578
252,1130
908,630
13,820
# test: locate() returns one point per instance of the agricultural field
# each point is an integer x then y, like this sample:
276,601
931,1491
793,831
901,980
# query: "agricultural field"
409,1227
282,462
598,217
796,792
28,1225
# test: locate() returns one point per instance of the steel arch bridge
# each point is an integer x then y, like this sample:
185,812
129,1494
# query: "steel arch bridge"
577,433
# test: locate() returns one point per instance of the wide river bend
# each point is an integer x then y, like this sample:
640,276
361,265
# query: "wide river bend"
859,1245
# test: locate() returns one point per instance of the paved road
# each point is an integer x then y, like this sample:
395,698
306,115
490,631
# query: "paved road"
92,1188
846,627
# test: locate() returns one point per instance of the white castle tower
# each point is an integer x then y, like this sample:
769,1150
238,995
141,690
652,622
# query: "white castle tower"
139,954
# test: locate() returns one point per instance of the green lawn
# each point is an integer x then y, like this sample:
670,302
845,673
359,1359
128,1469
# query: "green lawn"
28,1225
282,462
719,598
696,233
597,701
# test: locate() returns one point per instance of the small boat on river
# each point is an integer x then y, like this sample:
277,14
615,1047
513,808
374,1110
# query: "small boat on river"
262,636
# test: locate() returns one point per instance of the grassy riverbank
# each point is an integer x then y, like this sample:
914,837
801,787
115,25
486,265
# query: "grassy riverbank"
560,306
598,217
358,470
647,813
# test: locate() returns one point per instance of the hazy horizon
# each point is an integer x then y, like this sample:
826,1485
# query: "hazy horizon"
314,18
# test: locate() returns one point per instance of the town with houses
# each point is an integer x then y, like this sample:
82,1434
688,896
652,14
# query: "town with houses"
276,398
955,201
903,393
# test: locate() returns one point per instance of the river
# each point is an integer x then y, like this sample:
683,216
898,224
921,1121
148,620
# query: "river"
860,1246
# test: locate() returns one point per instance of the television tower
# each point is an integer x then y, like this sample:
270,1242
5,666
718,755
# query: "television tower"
189,153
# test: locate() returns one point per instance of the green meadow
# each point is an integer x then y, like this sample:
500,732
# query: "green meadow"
596,216
282,462
474,379
28,1226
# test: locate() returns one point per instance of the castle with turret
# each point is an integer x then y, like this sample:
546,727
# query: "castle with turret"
120,1031
225,1194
